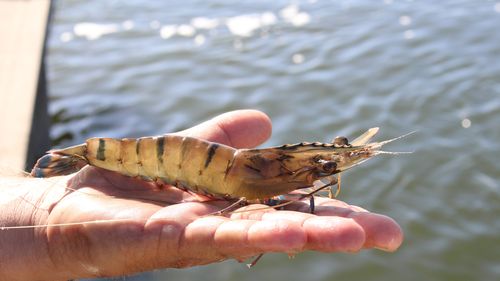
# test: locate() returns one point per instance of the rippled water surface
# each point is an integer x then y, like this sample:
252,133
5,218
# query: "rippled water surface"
318,69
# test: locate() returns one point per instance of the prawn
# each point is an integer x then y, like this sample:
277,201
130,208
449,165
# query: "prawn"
216,170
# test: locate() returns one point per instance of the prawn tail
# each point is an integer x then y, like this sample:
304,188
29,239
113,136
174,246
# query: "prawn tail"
60,162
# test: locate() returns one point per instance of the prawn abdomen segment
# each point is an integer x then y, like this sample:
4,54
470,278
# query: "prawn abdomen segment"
105,153
187,162
202,166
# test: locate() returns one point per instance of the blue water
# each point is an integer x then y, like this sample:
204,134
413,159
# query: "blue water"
318,69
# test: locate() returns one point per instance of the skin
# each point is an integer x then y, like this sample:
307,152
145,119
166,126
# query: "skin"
165,227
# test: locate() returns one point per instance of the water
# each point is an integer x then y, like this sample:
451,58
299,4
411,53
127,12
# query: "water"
318,69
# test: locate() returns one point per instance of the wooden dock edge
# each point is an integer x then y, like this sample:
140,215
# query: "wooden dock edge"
24,131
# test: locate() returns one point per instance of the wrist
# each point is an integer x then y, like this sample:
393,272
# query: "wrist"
25,202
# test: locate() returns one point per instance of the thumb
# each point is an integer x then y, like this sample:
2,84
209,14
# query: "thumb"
240,129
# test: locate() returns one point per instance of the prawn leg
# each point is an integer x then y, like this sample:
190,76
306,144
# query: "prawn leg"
335,194
255,261
239,203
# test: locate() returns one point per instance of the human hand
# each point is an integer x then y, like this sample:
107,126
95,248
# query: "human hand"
142,228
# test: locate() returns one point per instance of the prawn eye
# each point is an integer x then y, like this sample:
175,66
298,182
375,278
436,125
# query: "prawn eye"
329,166
341,142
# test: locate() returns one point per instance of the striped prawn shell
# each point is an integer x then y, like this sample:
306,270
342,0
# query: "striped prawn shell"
188,163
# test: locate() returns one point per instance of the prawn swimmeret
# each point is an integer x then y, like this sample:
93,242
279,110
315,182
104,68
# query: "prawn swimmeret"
216,170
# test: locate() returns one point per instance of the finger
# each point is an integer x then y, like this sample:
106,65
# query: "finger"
324,233
353,229
251,212
329,207
216,238
381,231
240,129
323,207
